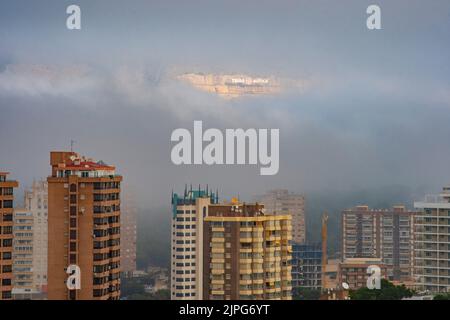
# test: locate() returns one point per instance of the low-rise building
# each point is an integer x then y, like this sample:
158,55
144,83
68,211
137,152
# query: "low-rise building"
353,271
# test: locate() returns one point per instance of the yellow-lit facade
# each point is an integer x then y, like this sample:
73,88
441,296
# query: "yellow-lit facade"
247,254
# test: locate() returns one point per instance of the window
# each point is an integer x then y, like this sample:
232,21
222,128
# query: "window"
8,191
6,282
7,204
7,255
7,269
6,295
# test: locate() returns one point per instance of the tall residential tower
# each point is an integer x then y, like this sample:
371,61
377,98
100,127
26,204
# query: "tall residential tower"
246,253
83,227
432,243
6,235
188,212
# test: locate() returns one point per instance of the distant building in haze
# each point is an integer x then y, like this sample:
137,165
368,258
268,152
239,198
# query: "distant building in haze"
386,234
282,202
128,234
36,202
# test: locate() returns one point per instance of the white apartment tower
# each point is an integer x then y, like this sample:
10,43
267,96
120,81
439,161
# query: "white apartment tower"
432,242
30,244
23,282
188,212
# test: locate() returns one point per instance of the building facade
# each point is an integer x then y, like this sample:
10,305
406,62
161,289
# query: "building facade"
432,249
6,235
23,284
247,253
188,212
307,266
128,234
282,202
384,234
36,202
353,271
83,228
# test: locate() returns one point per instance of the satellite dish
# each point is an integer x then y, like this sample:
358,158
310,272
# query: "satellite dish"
345,285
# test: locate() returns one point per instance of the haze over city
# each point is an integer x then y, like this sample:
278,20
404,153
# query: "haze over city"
224,150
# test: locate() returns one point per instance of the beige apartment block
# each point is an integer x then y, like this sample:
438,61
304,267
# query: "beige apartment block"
247,253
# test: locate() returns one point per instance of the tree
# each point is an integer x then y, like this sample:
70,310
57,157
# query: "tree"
388,291
442,296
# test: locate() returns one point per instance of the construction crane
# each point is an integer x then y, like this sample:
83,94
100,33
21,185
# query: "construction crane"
324,248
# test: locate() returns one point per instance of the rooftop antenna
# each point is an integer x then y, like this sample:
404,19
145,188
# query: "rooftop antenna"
71,145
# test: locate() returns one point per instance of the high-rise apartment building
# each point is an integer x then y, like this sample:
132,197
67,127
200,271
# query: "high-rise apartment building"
6,235
83,227
128,234
23,285
307,266
188,212
246,253
432,243
282,202
384,234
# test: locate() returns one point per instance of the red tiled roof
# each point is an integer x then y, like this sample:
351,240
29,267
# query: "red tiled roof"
88,166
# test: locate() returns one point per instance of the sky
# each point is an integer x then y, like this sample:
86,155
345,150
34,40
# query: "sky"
375,111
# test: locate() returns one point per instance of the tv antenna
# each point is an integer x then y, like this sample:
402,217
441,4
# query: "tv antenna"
71,145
